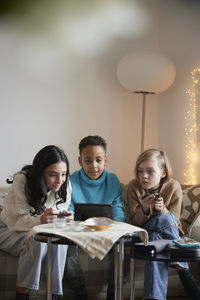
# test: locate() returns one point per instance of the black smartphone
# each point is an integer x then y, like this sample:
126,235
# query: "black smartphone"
147,194
62,214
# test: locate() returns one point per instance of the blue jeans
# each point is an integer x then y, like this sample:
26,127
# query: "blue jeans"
162,226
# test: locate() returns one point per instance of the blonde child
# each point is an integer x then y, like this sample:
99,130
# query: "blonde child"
154,203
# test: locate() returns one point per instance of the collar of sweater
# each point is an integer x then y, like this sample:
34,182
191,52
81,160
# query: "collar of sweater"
153,191
93,182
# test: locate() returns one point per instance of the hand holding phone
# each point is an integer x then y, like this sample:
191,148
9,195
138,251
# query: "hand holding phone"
158,203
147,202
62,214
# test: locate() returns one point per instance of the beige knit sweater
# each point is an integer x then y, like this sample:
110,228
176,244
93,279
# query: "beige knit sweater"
171,193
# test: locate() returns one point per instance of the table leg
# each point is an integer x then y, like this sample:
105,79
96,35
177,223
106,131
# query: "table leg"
116,273
132,278
121,268
49,246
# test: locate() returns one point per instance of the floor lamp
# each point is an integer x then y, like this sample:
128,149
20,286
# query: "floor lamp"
145,72
143,116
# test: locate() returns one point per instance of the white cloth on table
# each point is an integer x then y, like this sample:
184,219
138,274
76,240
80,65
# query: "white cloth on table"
95,243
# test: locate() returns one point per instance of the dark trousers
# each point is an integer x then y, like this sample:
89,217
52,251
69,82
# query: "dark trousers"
74,274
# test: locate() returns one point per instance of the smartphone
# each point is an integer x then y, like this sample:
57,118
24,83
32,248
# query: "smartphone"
147,194
62,214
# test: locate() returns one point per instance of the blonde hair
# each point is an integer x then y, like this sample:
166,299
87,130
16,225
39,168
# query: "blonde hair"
162,160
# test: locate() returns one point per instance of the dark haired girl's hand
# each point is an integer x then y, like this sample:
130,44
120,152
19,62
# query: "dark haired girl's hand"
49,215
68,218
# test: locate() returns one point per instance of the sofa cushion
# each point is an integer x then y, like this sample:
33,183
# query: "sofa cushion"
190,206
3,193
124,197
194,228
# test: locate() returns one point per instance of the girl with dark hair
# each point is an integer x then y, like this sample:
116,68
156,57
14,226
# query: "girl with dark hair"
38,192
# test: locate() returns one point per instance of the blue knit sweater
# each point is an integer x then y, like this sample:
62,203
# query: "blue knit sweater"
104,190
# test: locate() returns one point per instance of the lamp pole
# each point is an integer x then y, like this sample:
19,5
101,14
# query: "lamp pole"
143,116
145,72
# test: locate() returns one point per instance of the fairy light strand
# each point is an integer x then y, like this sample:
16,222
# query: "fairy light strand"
192,131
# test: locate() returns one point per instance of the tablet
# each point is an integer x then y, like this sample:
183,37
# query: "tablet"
84,211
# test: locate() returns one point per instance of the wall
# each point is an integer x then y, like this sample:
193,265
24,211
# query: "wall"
178,37
56,89
58,80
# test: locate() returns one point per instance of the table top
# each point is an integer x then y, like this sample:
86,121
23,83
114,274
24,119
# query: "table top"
95,243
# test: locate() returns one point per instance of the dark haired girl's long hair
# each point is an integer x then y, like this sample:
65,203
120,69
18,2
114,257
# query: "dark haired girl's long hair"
35,188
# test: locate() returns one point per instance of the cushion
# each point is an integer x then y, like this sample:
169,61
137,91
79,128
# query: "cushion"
194,228
3,193
191,205
124,197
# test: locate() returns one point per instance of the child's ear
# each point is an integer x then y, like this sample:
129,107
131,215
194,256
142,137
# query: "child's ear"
80,161
106,160
164,173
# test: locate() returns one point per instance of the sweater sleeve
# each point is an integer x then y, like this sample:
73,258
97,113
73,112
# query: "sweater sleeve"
74,186
16,211
69,195
135,211
71,206
118,207
173,197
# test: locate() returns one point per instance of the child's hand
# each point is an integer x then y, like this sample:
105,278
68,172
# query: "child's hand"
49,216
70,217
158,203
147,201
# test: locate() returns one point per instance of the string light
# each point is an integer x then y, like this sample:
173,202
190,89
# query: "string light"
192,130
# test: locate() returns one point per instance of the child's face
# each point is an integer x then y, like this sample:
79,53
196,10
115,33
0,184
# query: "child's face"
55,176
93,160
150,174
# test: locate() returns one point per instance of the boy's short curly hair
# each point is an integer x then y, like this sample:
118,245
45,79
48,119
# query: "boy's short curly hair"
92,140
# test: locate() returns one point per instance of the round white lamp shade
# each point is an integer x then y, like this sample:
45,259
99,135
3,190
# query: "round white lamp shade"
146,71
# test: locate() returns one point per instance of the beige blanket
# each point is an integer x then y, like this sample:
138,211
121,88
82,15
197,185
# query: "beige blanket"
95,243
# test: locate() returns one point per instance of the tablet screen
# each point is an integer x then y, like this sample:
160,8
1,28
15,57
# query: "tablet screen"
84,211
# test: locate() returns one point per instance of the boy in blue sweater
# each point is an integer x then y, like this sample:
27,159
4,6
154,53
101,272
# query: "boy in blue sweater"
94,184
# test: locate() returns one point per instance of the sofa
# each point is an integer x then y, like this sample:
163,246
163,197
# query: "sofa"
95,271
